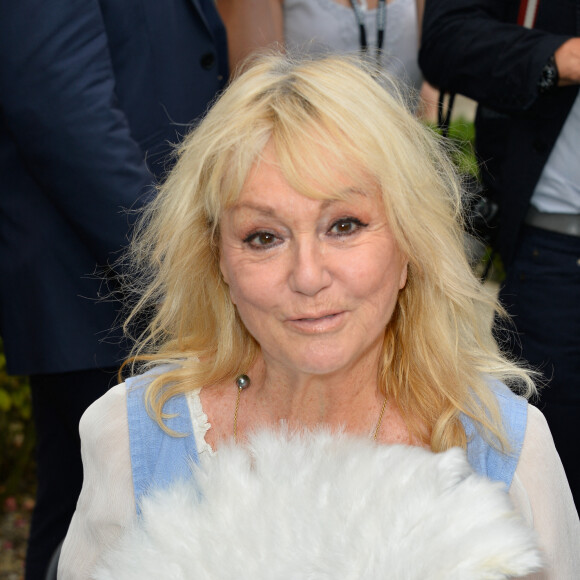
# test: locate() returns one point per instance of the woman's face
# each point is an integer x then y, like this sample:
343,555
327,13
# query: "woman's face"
314,281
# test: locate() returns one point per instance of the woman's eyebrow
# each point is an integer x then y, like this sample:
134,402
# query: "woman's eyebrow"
269,211
261,208
345,195
355,191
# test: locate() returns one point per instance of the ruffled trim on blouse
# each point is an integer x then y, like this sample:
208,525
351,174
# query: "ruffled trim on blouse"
199,422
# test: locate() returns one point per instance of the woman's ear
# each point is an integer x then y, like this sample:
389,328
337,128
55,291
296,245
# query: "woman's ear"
223,270
226,277
403,276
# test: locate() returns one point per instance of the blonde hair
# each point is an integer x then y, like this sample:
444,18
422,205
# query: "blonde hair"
320,114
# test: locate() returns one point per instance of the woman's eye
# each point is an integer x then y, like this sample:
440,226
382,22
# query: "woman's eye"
345,226
261,240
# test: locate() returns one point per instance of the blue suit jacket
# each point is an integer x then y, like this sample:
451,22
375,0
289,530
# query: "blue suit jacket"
92,92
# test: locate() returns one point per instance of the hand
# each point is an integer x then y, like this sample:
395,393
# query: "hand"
568,62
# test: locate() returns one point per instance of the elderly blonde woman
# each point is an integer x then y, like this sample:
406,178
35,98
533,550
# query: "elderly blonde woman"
302,271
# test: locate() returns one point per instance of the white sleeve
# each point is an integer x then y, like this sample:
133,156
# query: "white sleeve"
541,492
106,504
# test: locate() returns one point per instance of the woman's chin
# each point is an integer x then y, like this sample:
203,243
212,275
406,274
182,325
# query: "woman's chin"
322,363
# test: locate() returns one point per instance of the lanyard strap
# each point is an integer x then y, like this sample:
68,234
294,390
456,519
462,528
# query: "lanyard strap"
381,26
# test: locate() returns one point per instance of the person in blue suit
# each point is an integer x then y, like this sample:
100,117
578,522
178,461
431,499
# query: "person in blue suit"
93,93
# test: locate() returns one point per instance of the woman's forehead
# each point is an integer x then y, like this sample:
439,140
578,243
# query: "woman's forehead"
319,173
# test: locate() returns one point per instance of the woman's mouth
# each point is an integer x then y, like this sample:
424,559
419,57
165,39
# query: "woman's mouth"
318,323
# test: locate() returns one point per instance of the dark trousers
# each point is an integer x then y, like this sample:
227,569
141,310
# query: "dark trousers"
58,402
542,294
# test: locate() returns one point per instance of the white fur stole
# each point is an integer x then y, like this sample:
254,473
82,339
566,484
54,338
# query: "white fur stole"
324,506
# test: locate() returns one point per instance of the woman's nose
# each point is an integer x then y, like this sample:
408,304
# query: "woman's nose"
309,272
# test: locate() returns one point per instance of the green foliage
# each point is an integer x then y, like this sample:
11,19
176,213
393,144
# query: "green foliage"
16,434
461,141
462,135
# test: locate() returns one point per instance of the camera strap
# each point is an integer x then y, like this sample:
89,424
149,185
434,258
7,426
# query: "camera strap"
444,114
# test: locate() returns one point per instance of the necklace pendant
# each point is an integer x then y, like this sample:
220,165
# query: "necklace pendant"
243,382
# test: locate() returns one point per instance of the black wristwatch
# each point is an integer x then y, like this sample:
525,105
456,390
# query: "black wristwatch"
549,77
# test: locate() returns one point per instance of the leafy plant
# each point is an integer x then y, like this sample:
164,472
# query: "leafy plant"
462,134
461,139
16,434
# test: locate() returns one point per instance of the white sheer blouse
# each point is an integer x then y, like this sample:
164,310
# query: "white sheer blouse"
106,504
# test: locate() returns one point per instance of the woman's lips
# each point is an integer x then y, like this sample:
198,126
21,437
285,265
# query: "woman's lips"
318,323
